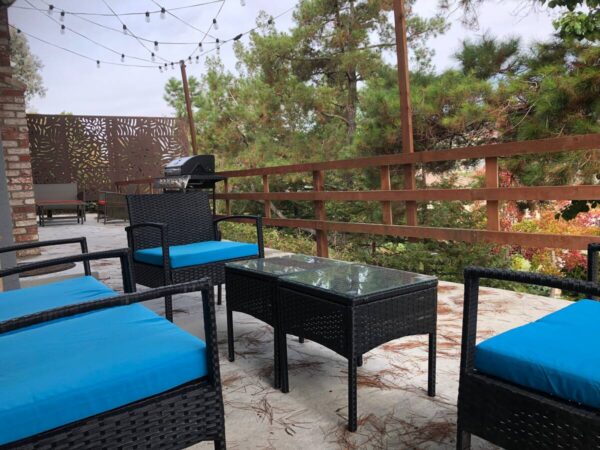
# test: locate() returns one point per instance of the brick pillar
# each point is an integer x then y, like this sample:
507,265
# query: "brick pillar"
15,140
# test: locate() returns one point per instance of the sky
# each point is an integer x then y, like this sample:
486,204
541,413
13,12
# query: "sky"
74,84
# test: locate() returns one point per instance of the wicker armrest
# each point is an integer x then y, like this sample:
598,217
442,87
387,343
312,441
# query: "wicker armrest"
592,272
162,228
472,277
76,240
204,285
259,230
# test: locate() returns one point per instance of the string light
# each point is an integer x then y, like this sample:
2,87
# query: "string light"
160,69
50,9
62,29
163,13
147,17
200,45
218,47
98,64
197,59
62,16
215,24
124,29
155,46
243,2
122,57
153,57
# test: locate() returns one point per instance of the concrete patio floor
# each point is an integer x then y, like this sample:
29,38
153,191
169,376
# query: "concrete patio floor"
394,409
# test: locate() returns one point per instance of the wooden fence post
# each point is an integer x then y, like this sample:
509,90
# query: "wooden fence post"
386,185
492,206
321,236
227,202
267,203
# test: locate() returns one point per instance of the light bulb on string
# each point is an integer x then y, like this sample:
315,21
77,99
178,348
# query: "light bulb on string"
270,21
147,17
50,9
190,59
215,24
124,29
172,66
200,45
243,2
160,69
163,13
62,16
155,46
62,29
197,59
218,47
98,64
122,57
153,57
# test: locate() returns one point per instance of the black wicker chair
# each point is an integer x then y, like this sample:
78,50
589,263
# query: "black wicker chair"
177,418
510,415
163,221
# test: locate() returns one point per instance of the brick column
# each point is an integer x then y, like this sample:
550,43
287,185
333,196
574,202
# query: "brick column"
15,140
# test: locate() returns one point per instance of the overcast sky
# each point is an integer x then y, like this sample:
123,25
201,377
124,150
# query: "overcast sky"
76,85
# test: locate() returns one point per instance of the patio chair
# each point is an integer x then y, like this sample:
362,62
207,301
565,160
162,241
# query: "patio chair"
108,373
535,386
175,238
111,206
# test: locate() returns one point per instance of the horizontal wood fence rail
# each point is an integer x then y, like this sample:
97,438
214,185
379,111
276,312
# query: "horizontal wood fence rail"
552,145
492,194
428,195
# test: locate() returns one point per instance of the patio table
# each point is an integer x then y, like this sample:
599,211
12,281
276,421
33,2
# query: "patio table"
44,207
252,289
353,308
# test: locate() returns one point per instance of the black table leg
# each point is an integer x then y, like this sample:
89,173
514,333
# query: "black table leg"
219,294
431,374
359,361
283,363
276,360
352,399
230,334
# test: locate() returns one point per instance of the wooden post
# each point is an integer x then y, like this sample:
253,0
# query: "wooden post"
386,185
492,206
405,106
227,202
267,203
188,106
319,185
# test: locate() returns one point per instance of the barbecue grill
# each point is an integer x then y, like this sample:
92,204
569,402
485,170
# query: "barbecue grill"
190,173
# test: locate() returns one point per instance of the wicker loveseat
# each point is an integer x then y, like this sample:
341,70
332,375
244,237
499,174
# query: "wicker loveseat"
102,371
536,386
175,238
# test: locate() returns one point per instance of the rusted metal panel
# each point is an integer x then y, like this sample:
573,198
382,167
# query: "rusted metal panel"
97,151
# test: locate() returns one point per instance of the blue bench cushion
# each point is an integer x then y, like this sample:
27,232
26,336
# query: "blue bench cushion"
63,371
558,354
21,302
197,253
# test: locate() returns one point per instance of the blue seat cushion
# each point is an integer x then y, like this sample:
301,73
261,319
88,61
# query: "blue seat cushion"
66,370
558,354
197,253
30,300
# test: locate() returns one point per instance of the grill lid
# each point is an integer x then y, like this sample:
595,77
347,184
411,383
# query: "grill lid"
191,165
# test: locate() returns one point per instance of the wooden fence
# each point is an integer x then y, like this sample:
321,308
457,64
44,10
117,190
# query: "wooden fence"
492,194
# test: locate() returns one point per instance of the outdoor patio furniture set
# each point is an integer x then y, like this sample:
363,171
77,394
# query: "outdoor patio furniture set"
85,367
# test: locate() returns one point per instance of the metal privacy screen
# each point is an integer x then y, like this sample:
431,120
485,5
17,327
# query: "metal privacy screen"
97,151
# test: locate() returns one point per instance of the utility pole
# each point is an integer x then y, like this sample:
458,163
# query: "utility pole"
405,106
188,106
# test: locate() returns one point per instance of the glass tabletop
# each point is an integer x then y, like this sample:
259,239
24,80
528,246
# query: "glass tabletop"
357,280
283,265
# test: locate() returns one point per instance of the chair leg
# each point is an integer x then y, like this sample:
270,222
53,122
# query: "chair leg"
359,361
169,307
463,439
431,369
220,444
230,335
219,293
352,398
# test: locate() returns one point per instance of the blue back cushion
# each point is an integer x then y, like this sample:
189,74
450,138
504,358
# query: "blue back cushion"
63,371
558,354
197,253
21,302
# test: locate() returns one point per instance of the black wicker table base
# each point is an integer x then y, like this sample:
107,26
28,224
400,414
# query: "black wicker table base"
348,308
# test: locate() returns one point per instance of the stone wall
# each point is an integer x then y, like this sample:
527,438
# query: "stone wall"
15,140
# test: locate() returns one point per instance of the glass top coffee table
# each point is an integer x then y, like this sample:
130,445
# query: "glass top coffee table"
348,308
